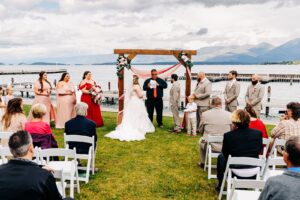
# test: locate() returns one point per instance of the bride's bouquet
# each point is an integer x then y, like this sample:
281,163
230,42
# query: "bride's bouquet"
96,93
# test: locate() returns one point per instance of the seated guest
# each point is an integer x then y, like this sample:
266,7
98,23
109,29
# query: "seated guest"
23,179
40,130
286,186
80,125
2,103
255,122
215,122
289,124
13,119
242,141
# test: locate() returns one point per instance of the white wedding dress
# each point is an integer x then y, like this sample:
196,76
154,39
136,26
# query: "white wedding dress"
135,123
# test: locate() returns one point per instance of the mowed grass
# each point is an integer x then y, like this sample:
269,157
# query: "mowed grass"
164,166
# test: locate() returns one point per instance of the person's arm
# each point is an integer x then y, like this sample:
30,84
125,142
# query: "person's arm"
225,92
224,147
145,86
259,98
247,95
177,93
23,121
265,193
37,91
51,192
278,130
138,91
82,87
236,94
162,84
207,93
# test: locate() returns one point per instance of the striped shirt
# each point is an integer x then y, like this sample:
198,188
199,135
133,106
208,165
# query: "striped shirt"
286,128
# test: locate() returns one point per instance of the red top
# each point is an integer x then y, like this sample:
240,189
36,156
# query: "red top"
259,125
38,128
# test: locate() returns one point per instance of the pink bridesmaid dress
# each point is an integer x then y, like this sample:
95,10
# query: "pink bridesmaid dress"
66,100
46,100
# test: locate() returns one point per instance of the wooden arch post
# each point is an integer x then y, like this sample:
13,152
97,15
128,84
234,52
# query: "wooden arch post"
132,53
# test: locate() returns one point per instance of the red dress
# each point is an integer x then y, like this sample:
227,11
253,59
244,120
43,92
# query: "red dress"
259,125
94,111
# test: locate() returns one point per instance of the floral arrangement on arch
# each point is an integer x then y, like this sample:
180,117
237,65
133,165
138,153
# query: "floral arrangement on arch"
122,62
183,58
96,93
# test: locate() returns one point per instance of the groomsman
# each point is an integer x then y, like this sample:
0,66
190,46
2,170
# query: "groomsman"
255,94
174,102
154,88
232,92
202,94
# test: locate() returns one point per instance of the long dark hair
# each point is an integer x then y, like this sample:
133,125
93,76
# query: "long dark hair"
41,74
249,109
13,107
63,76
84,74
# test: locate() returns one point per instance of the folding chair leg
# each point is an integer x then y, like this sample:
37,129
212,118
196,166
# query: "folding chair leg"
206,157
77,181
209,163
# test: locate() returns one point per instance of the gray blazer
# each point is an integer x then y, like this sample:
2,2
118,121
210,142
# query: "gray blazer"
202,92
174,97
232,93
255,95
215,122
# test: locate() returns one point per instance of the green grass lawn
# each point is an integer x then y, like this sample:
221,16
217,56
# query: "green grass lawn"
164,166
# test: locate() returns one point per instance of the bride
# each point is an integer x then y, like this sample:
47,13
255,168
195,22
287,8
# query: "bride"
135,123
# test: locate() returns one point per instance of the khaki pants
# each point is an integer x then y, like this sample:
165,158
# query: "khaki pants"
230,108
191,126
200,110
202,149
176,118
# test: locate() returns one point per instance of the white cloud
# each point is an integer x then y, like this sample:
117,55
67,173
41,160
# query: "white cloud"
83,27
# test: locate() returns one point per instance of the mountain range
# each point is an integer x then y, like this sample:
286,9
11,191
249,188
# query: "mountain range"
239,54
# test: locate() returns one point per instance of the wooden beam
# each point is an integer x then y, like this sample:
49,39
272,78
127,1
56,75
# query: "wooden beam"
131,56
153,51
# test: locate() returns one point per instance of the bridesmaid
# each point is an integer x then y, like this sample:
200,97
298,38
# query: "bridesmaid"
94,110
66,100
42,89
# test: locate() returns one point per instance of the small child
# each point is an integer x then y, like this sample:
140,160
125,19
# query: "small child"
191,109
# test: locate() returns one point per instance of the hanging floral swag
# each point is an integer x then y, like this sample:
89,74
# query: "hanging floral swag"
185,59
122,62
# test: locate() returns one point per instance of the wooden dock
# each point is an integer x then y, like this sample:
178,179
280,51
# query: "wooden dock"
32,71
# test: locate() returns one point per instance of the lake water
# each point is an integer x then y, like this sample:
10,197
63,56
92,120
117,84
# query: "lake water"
281,94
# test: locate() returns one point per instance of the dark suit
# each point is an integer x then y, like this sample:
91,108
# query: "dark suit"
20,179
155,103
239,143
80,125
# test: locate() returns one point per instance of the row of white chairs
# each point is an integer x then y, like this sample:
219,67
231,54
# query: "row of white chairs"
210,154
63,170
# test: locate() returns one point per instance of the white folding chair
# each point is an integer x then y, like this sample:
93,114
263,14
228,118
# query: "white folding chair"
209,155
60,183
266,143
90,157
247,172
277,143
69,167
5,154
246,194
271,162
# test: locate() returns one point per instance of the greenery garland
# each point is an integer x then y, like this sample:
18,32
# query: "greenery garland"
122,62
184,59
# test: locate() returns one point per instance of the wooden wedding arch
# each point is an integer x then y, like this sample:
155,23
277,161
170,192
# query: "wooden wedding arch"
132,53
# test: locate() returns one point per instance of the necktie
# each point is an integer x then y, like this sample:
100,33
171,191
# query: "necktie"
154,93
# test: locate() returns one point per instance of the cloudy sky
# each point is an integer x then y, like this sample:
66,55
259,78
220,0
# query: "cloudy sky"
58,28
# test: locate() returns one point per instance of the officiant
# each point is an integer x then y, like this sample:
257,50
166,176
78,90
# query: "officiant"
154,88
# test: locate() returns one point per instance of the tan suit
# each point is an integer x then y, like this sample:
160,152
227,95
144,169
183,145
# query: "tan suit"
175,103
255,95
215,122
231,93
202,92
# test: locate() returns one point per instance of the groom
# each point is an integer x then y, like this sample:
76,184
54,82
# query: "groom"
154,87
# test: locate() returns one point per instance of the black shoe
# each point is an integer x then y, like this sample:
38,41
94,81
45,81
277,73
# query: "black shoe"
218,188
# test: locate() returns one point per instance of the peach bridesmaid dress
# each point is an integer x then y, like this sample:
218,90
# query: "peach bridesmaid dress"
66,100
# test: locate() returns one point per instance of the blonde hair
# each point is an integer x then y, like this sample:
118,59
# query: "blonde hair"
38,110
135,80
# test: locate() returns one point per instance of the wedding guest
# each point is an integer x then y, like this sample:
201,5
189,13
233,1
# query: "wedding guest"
21,178
255,122
202,94
9,94
174,99
2,103
42,89
191,110
232,92
94,111
242,141
13,119
286,186
80,125
215,122
289,124
255,94
154,88
66,101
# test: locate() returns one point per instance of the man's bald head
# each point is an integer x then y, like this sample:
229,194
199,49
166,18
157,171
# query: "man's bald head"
255,77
